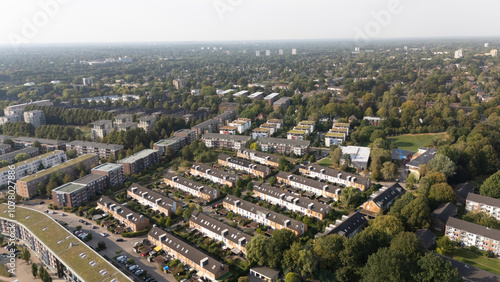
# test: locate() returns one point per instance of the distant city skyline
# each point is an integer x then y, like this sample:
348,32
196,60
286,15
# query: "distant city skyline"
70,21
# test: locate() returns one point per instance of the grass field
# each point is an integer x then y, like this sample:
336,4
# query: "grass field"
325,162
412,142
479,261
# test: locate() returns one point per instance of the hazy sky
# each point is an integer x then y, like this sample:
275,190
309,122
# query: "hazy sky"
26,21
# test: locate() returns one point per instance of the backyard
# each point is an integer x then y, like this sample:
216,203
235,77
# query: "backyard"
412,142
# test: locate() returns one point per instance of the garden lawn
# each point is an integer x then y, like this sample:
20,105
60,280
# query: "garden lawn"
477,260
411,142
325,162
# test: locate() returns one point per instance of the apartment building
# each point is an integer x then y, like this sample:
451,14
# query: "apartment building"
485,204
152,199
256,96
27,186
263,216
316,187
332,138
147,123
36,118
277,122
423,156
348,226
209,126
290,201
271,98
47,144
192,187
125,126
228,130
219,231
273,128
11,156
31,166
284,146
296,134
228,106
283,102
441,215
123,118
219,141
382,200
470,234
215,175
228,115
242,124
205,265
18,110
101,128
113,172
5,149
6,119
102,150
80,191
134,221
139,161
261,132
309,123
244,165
189,134
335,176
175,143
306,128
259,157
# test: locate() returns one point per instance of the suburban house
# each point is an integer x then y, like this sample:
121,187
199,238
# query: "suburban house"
382,200
335,176
194,188
152,199
259,157
244,165
441,214
124,215
348,226
303,183
423,156
212,174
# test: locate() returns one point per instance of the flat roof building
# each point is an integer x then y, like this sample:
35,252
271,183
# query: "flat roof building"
103,150
139,161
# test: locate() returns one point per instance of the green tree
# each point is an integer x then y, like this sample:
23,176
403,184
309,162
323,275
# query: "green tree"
433,268
417,214
25,255
389,171
179,211
37,144
272,180
443,164
187,214
336,155
388,223
350,196
408,244
34,269
327,248
50,186
491,186
387,265
445,246
243,279
21,157
237,192
262,251
293,277
71,154
441,193
254,146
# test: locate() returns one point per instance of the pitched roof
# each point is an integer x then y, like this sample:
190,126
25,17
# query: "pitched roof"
120,209
225,137
283,141
270,215
152,196
234,235
483,200
191,184
94,145
214,172
463,189
347,226
474,228
335,172
424,158
426,236
243,163
445,211
308,181
180,246
289,197
387,195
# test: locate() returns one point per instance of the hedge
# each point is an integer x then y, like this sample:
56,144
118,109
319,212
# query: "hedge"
136,234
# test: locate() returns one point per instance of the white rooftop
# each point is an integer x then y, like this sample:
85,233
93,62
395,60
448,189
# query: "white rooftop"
358,154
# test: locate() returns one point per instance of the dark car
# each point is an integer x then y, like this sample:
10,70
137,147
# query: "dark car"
119,240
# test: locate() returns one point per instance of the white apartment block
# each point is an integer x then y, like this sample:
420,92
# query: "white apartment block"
470,234
6,119
36,118
485,204
32,165
147,123
335,176
192,187
310,185
101,128
243,124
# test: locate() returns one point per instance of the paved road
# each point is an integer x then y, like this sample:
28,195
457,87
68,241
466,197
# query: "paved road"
111,245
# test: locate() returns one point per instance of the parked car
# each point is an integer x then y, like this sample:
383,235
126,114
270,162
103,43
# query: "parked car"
104,234
119,240
94,227
139,272
133,267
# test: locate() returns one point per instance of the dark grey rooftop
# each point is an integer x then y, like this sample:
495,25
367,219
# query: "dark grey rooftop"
423,158
94,145
283,142
483,200
445,211
474,228
234,235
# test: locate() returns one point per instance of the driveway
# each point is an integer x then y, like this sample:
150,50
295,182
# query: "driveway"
111,245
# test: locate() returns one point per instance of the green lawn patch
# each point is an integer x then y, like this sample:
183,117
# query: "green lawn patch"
412,142
3,271
477,260
325,162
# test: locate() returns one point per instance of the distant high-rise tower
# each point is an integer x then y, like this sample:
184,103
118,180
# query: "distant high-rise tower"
257,53
356,49
268,52
486,45
459,53
280,51
494,52
87,81
294,51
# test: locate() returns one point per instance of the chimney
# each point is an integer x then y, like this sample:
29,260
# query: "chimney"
224,232
204,262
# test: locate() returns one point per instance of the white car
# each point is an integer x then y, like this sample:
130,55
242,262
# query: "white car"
104,234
